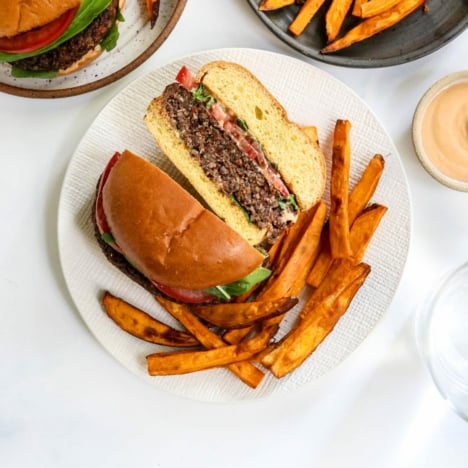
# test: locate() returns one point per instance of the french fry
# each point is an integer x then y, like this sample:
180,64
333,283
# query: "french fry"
335,16
356,10
363,229
290,278
374,25
375,7
291,239
365,187
342,272
152,8
298,252
236,335
357,201
316,324
304,16
184,362
322,263
144,326
270,5
339,191
247,372
299,249
238,315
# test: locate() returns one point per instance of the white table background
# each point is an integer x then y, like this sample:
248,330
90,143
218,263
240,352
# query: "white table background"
65,402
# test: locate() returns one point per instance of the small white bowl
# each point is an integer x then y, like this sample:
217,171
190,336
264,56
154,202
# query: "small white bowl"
431,93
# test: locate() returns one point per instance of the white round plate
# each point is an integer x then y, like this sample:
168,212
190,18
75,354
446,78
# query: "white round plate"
311,97
137,42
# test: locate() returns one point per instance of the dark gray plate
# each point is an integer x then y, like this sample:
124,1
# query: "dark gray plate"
417,35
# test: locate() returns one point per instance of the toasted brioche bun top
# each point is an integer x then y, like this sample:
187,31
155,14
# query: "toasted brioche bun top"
167,234
18,16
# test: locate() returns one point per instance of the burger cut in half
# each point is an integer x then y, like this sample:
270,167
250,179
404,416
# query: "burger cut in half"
161,237
45,39
231,138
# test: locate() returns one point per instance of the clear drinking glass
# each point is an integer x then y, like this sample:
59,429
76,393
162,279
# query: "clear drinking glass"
442,333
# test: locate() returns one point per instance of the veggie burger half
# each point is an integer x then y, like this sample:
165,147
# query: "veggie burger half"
160,236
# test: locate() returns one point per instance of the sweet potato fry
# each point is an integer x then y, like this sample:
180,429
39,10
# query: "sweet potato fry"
363,229
356,10
144,326
365,187
291,239
152,8
342,272
306,336
335,16
299,250
247,372
183,362
339,191
238,315
236,335
289,279
375,7
270,5
304,16
323,261
357,201
374,25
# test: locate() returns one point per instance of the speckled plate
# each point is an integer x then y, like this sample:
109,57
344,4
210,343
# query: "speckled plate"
137,42
416,36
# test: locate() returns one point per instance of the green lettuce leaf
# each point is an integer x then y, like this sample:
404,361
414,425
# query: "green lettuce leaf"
227,291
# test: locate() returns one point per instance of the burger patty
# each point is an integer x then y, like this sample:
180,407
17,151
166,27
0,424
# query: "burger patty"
72,50
224,163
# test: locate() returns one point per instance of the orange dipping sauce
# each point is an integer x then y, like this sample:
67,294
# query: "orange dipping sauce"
444,131
440,130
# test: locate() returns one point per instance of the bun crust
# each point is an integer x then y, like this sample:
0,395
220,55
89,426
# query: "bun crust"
23,15
166,234
299,160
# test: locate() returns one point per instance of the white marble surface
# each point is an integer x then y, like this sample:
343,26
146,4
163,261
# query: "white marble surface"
65,402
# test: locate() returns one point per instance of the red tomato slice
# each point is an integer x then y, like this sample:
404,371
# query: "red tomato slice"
189,296
101,220
186,79
39,37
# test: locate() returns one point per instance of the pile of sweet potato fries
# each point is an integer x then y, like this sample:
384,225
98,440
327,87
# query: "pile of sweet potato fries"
322,252
373,17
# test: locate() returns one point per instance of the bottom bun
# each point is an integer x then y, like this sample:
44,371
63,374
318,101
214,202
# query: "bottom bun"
84,61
